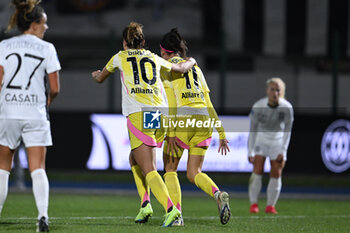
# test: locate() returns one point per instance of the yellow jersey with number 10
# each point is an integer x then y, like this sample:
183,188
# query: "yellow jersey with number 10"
140,78
189,88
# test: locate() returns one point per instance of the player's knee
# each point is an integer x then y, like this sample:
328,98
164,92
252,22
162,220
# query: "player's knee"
190,176
276,173
258,170
170,168
170,165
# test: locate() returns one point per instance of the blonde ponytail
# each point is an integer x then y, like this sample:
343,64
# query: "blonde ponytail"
133,35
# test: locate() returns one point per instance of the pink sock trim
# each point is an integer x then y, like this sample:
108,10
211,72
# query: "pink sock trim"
206,142
182,144
178,206
146,197
147,140
214,189
170,203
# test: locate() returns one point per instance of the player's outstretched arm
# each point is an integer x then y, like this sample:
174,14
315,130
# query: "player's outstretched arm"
100,76
183,67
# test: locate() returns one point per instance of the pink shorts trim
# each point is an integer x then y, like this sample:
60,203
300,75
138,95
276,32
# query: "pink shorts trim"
147,140
206,142
182,144
159,144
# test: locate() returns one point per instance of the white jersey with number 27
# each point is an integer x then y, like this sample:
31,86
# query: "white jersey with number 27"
26,60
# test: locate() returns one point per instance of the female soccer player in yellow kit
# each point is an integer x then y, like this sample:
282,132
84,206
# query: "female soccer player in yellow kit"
143,88
189,100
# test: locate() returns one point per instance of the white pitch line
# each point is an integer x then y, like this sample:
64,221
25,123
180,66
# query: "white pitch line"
192,218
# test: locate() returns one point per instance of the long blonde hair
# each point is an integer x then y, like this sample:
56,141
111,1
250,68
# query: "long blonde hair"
133,35
280,83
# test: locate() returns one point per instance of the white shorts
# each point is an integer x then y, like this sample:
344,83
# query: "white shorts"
269,148
31,132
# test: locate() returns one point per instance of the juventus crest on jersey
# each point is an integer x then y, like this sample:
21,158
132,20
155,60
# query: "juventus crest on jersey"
26,60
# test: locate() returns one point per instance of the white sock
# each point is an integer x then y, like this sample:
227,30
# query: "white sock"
273,190
254,188
4,181
41,191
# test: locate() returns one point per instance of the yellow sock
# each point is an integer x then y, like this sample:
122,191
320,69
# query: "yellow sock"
174,189
158,187
204,182
141,185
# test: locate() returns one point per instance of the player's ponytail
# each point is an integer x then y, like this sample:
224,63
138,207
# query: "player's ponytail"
133,35
172,42
26,12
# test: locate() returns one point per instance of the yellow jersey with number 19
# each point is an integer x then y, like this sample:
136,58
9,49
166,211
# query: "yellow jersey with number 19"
140,78
189,88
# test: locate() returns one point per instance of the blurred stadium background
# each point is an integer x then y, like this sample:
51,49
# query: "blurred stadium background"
238,44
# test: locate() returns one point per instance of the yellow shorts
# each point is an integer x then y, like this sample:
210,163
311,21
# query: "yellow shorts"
195,139
139,136
192,151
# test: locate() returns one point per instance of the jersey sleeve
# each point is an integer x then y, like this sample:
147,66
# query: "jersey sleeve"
213,115
166,78
164,64
113,64
288,123
53,64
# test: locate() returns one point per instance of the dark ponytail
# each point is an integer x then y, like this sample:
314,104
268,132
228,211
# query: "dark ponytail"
26,12
172,42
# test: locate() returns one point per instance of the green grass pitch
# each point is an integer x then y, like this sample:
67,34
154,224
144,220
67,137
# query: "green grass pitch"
115,213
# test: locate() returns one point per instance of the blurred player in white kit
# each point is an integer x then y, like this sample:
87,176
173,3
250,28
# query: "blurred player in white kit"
271,120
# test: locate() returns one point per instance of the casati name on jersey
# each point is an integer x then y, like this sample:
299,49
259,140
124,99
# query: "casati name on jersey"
21,99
